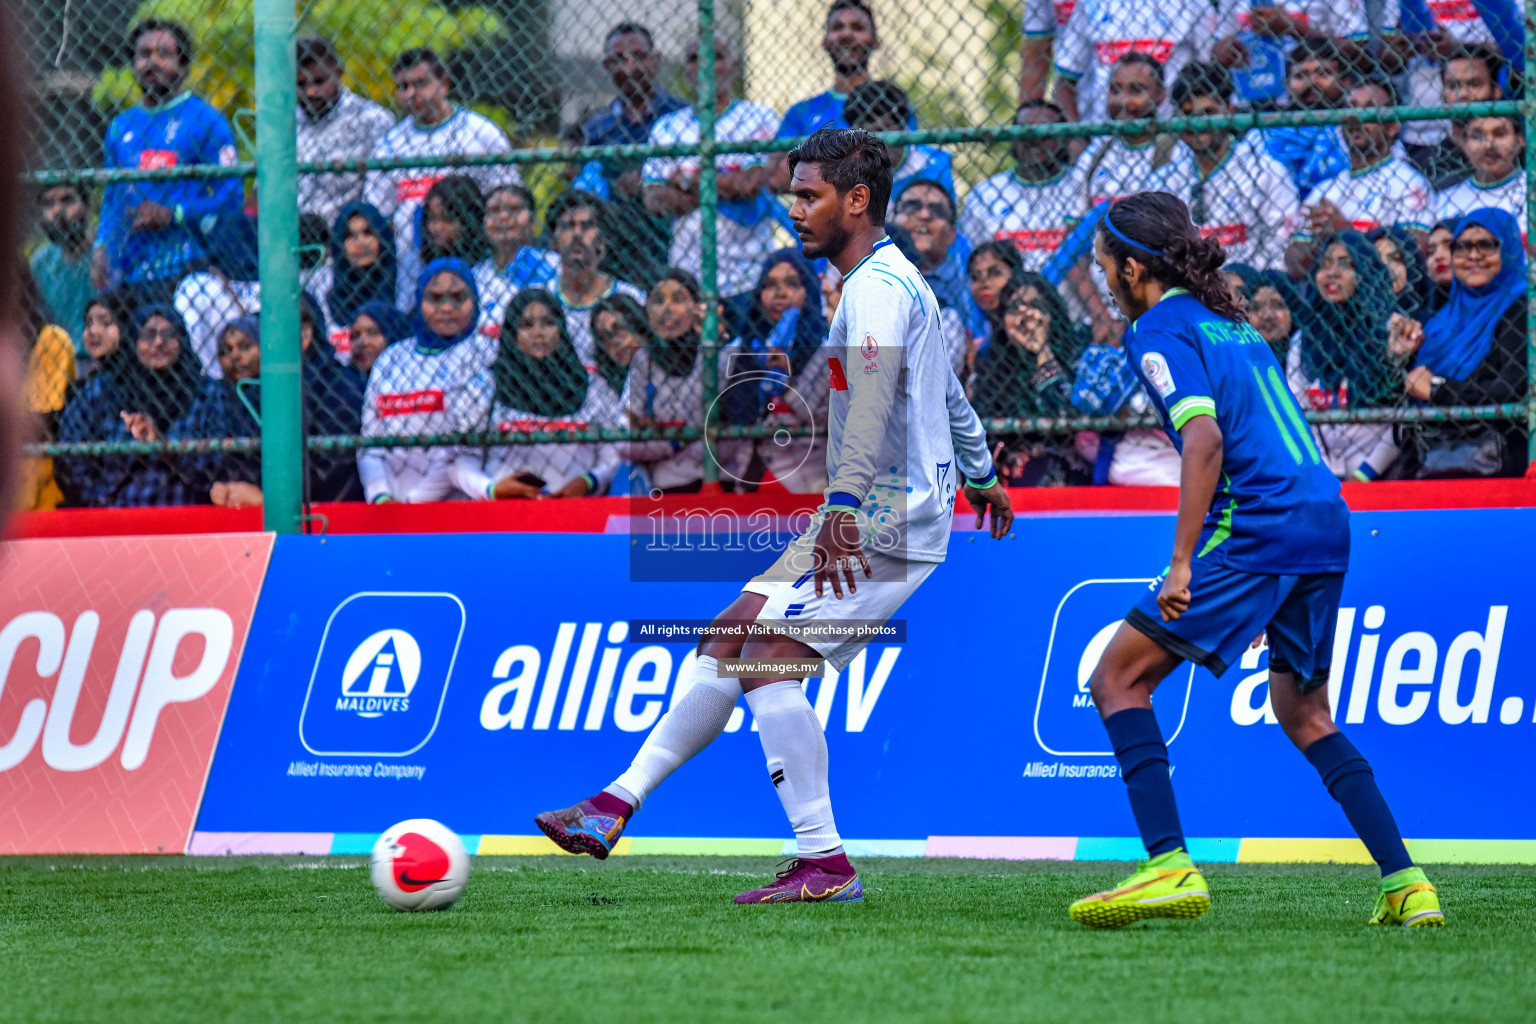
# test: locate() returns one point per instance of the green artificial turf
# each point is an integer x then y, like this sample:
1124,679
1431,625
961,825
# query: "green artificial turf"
657,939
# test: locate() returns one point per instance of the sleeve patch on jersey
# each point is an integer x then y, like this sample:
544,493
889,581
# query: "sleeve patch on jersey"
838,380
869,349
1158,374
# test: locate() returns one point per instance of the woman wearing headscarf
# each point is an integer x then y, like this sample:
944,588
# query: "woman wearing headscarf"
375,326
664,387
1354,347
620,328
422,387
1437,263
453,227
1026,371
1474,352
138,397
537,383
104,338
772,378
1410,273
361,269
231,407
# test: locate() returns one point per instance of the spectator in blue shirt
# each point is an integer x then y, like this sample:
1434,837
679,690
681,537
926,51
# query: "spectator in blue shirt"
152,231
137,397
629,56
61,266
509,232
850,40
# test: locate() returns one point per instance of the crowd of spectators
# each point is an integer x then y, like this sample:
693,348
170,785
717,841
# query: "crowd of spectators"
1383,262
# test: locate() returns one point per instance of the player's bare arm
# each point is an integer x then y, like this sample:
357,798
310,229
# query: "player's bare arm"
1198,476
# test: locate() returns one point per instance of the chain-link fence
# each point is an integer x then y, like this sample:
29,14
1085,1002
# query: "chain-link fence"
509,283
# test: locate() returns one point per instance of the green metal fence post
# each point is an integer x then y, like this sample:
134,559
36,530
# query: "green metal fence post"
277,190
709,206
1530,212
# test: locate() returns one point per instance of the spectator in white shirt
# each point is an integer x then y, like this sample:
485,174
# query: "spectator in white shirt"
334,123
1100,33
1035,203
1379,189
537,383
578,225
509,232
421,387
1494,146
1468,75
453,226
228,289
664,387
1118,165
1237,193
433,126
744,230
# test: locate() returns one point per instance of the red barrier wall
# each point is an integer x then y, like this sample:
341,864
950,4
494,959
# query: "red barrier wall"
591,515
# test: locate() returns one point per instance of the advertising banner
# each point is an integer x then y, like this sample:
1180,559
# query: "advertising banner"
117,656
481,679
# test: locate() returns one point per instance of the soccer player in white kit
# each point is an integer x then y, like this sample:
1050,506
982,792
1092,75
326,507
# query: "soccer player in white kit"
901,439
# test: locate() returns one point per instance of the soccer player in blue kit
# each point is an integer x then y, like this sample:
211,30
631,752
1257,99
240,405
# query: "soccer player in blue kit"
1261,545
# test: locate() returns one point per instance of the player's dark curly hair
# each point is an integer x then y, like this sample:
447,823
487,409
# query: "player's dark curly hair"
1154,229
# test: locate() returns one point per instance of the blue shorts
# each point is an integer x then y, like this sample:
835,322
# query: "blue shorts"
1228,608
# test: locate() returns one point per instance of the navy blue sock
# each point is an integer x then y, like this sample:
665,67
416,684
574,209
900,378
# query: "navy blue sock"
1143,758
1350,781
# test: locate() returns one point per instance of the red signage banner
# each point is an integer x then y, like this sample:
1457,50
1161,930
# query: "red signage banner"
117,656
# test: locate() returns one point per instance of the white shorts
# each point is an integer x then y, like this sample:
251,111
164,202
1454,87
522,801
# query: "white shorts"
790,587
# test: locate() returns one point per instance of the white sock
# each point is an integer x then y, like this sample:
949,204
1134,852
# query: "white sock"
797,763
691,725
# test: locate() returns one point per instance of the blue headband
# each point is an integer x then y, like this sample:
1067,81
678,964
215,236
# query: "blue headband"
1127,239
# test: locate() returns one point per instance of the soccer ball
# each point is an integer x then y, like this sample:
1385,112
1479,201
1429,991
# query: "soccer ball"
419,864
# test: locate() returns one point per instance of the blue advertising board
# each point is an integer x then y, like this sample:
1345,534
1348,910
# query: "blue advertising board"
479,679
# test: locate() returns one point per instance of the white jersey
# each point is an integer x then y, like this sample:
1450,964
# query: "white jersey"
477,470
901,437
670,401
1035,217
1390,193
1331,18
495,292
1464,197
349,131
1249,203
1100,32
207,302
578,319
741,244
412,391
399,194
1044,18
1118,169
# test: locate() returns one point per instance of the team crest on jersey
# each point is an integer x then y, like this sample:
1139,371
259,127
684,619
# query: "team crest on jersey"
1156,369
869,350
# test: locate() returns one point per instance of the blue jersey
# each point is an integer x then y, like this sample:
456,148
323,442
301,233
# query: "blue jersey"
1277,508
177,133
824,110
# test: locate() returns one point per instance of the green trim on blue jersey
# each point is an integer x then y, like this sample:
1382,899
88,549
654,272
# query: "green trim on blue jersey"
1283,397
1189,408
1223,526
1274,413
